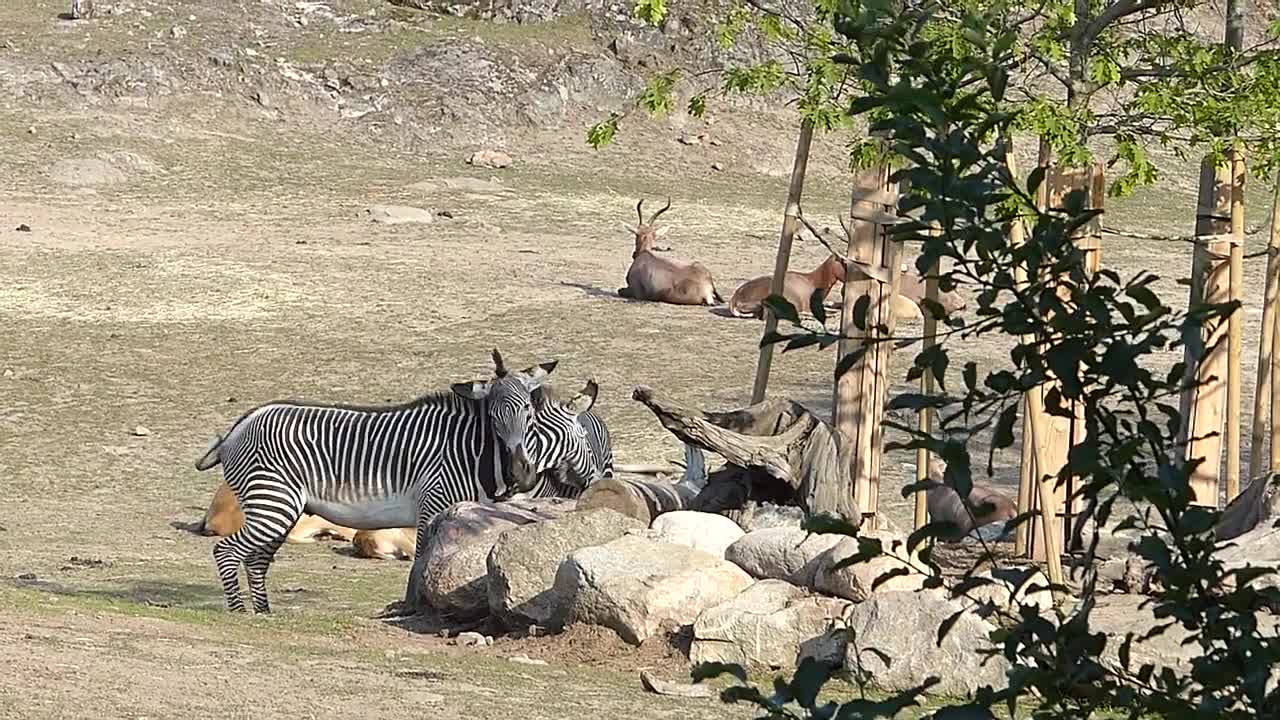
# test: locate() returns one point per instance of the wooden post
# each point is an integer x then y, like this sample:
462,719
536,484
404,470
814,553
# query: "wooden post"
926,388
860,392
1023,536
790,224
1054,436
1263,406
1235,324
1204,403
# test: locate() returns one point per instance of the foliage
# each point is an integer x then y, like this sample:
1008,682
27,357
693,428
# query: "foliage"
1085,339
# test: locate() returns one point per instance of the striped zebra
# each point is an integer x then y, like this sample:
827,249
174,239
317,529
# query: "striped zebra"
575,414
389,466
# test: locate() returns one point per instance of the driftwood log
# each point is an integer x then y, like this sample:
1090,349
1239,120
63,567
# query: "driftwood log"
776,451
1259,502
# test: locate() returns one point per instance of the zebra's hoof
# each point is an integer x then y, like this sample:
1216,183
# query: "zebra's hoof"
397,609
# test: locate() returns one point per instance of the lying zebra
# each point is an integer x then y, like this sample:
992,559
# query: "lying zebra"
391,466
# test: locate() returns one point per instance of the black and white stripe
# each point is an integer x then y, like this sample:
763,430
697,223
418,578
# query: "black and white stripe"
380,467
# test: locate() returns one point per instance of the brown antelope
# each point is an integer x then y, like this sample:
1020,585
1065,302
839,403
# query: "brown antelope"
386,544
224,517
660,279
797,287
989,504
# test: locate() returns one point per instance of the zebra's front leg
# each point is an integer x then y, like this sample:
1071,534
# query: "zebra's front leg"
256,566
413,591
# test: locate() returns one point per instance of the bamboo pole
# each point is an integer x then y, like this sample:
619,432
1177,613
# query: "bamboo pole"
1235,331
927,389
1263,403
1026,467
790,224
1048,518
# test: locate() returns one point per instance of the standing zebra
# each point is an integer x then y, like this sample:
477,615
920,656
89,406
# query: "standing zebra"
391,466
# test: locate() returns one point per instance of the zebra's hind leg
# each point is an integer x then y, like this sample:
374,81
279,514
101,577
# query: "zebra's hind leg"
270,511
256,566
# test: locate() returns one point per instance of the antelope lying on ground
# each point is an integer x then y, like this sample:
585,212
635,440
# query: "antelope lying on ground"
797,288
224,517
661,279
989,505
388,544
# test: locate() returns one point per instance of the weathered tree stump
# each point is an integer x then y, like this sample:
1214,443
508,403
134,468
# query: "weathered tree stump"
776,451
1259,502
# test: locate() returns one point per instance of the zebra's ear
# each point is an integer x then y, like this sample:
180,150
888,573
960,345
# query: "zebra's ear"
537,375
584,400
471,390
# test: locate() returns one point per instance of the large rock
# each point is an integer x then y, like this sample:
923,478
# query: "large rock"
904,627
1010,588
454,562
1259,548
781,553
1118,615
767,515
522,566
636,586
701,531
763,626
86,172
857,581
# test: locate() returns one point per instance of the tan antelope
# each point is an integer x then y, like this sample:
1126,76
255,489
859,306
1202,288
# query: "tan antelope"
907,303
661,279
224,517
387,544
797,287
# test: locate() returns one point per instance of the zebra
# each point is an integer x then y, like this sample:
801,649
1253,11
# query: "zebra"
386,466
575,415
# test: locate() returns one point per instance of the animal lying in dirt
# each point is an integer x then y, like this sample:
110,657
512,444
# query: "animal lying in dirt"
797,287
224,517
989,504
662,279
386,544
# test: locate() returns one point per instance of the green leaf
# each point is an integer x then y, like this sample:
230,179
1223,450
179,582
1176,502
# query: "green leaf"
602,133
652,12
817,305
782,308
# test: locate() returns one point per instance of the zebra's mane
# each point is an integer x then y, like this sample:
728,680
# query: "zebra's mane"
435,397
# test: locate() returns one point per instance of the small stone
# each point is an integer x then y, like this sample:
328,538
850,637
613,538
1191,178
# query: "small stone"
494,159
31,130
717,142
398,214
24,228
177,32
717,166
8,372
686,140
664,687
471,639
221,57
526,660
27,577
142,431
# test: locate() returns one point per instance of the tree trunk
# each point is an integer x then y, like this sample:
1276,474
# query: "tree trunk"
790,224
1263,404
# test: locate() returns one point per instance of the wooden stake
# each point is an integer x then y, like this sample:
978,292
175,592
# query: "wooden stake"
1263,405
1235,347
926,388
790,224
1204,404
860,392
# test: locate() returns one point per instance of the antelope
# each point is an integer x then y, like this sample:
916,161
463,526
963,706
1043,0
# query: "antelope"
989,504
661,279
224,517
386,544
797,287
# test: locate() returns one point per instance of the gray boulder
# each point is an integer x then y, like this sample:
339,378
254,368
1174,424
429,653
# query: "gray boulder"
452,568
856,582
904,625
699,530
781,553
522,565
637,586
763,626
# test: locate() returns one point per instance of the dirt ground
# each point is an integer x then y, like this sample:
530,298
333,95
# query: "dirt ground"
230,265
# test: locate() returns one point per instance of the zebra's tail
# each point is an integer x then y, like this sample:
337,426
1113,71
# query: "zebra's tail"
210,458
